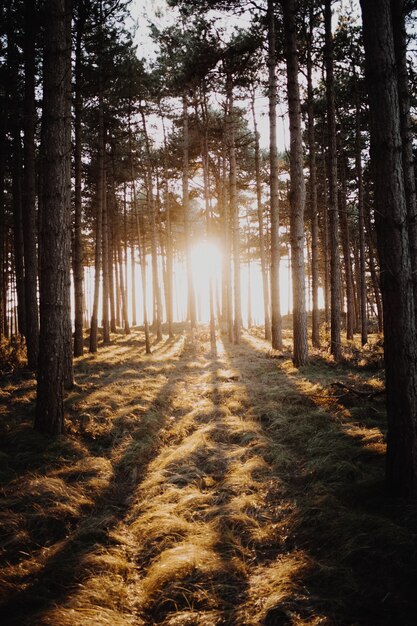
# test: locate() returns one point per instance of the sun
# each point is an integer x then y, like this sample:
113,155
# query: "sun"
206,260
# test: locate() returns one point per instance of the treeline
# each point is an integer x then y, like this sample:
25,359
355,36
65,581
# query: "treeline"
87,181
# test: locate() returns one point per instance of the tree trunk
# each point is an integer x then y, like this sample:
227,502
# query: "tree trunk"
18,231
400,48
169,255
335,301
55,240
29,190
400,343
112,287
119,262
3,263
227,296
234,212
77,253
350,300
297,190
133,272
262,254
105,248
374,271
186,207
142,259
276,322
315,315
361,224
98,233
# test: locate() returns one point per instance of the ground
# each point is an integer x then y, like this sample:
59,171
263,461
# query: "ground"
204,485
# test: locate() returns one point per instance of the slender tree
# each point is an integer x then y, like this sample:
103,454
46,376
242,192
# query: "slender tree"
55,242
276,323
297,189
335,306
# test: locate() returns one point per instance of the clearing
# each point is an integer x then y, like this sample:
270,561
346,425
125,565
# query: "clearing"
204,486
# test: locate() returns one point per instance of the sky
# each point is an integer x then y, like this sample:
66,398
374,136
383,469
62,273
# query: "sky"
159,13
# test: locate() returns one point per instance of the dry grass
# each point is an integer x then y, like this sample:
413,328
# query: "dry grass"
206,487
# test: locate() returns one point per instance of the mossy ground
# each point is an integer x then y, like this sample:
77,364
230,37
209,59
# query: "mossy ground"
205,485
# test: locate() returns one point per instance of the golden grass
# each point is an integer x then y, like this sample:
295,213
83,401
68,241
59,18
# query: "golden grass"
206,487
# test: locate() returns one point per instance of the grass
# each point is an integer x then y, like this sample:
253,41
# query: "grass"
205,486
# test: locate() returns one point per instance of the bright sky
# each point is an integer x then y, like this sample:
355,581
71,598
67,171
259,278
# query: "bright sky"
160,14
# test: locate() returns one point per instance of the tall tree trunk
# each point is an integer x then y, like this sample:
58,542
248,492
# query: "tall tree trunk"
276,322
400,342
98,233
335,301
407,136
262,254
361,222
315,315
186,206
207,206
18,231
234,212
227,295
169,255
297,190
156,288
55,240
14,110
133,276
3,263
142,259
77,253
248,251
373,269
344,224
29,190
105,248
119,262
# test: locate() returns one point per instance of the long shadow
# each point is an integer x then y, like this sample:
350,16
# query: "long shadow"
360,545
228,585
60,574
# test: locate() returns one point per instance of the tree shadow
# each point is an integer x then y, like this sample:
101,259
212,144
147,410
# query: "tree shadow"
358,544
60,572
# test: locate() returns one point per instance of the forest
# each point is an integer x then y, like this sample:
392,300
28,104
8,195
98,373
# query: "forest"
208,313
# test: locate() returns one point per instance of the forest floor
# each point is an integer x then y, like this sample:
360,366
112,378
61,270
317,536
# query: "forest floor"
204,486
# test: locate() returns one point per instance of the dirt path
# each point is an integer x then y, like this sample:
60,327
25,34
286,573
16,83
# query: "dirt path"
206,487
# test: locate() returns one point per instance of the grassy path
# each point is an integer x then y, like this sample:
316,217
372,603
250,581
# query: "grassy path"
208,487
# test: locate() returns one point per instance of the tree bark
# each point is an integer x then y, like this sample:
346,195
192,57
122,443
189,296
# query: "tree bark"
29,189
77,252
262,253
105,249
361,222
315,315
297,188
335,302
276,322
186,207
400,49
98,233
344,224
234,212
55,237
400,343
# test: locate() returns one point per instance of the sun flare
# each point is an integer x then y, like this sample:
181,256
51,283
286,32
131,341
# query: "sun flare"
206,259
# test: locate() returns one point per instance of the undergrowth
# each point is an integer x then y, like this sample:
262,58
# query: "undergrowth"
205,485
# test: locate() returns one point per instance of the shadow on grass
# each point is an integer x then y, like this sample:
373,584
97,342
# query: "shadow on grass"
99,510
359,545
192,535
